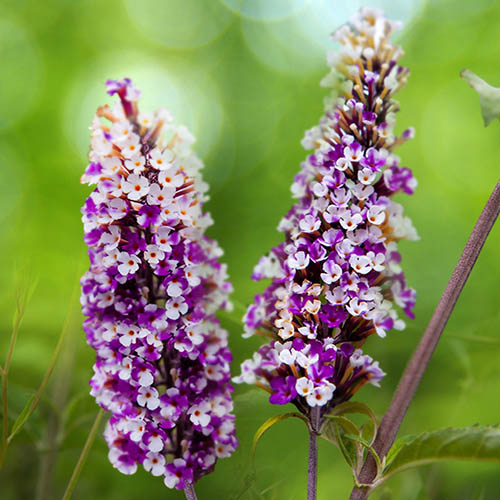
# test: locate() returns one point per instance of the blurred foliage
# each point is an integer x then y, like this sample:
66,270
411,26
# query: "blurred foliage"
244,77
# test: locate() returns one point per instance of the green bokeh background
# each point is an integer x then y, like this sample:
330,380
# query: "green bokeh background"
244,76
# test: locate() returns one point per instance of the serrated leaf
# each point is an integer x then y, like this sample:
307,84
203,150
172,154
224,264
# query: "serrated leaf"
475,443
489,97
269,423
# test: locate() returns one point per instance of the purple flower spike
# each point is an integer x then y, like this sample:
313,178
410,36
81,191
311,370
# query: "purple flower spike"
336,279
150,297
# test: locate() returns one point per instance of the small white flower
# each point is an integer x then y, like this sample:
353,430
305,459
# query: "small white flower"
299,260
331,272
120,131
376,215
145,119
337,296
286,331
153,254
306,361
356,308
320,396
341,197
304,386
136,428
161,196
161,239
128,334
366,176
148,396
111,237
175,307
117,208
130,146
126,368
343,164
161,160
155,443
136,164
129,263
170,178
319,189
145,377
195,334
350,221
287,356
199,414
136,186
309,224
362,192
154,463
312,306
100,144
360,263
376,261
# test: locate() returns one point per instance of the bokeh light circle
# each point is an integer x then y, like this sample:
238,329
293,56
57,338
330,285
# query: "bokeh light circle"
299,42
21,72
266,9
10,182
180,23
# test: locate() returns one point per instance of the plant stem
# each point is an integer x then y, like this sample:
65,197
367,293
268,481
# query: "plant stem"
83,456
312,465
21,305
189,492
415,369
61,386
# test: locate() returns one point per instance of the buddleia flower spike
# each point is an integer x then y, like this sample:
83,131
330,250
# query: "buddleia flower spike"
336,278
150,296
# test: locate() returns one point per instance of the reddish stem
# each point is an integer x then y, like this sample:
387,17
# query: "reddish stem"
415,369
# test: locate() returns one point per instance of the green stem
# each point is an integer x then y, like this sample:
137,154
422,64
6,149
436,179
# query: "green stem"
83,456
5,374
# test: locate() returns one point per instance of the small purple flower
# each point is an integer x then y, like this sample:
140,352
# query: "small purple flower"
284,390
150,298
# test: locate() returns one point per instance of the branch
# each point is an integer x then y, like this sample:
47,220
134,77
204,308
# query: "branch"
414,371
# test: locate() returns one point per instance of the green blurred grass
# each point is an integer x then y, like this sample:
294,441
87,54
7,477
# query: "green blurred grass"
249,117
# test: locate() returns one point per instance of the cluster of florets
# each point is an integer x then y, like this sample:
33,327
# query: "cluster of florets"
151,294
336,278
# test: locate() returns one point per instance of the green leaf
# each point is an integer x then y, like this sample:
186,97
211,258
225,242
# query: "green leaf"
361,408
269,423
478,443
368,447
22,418
489,97
334,430
398,445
